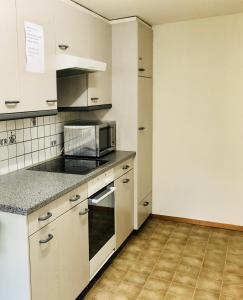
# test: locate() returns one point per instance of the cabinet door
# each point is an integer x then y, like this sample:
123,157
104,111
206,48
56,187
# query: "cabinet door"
44,264
144,152
99,88
71,26
9,87
37,89
72,232
124,207
145,50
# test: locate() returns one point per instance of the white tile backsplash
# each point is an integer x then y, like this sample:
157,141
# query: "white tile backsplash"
25,142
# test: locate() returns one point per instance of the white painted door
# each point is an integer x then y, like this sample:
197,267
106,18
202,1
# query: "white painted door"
44,264
144,153
37,89
72,232
124,207
145,50
9,77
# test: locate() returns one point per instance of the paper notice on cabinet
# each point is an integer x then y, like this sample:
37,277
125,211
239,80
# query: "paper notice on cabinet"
34,47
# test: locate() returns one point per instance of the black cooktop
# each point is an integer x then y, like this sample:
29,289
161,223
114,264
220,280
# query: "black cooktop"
70,165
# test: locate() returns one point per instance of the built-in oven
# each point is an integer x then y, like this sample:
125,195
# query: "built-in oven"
89,138
101,227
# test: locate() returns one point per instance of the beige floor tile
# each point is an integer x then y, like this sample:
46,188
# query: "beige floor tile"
120,296
171,255
135,278
194,251
231,278
162,274
141,268
128,289
151,295
185,279
227,297
208,284
114,274
170,296
103,295
211,274
166,264
181,290
233,290
106,284
188,269
192,261
156,284
121,264
205,295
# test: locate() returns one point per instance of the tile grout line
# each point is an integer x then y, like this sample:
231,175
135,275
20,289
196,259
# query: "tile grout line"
204,256
220,294
179,261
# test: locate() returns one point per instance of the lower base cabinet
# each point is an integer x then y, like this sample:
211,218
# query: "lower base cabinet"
124,207
59,256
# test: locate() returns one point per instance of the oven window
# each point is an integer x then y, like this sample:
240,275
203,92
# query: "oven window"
104,138
101,220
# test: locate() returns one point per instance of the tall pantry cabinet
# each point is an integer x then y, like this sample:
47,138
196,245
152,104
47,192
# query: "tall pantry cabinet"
132,60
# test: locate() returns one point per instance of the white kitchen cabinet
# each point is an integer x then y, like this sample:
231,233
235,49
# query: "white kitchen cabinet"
59,256
124,207
72,232
84,34
37,89
145,50
132,102
44,264
9,89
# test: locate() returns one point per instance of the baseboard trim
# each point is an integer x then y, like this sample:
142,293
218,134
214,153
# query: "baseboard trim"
199,222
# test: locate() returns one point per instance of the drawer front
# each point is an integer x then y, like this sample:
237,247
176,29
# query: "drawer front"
50,212
123,168
99,182
144,209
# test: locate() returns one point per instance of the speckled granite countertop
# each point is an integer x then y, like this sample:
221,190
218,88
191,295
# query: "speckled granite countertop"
25,191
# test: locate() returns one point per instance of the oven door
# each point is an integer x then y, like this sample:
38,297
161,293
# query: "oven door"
106,138
101,224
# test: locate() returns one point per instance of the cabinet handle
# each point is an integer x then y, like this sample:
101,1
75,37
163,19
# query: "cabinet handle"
82,213
50,237
12,102
76,198
146,203
94,99
141,128
51,101
125,167
63,47
141,69
126,180
48,215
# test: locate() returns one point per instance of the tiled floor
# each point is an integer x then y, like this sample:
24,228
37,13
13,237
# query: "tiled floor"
168,260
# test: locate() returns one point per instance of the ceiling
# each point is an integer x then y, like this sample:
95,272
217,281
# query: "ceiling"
163,11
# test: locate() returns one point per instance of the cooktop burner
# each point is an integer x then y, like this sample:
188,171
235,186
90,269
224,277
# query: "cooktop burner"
69,165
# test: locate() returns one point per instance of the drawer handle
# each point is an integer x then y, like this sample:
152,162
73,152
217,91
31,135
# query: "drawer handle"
63,47
125,167
51,101
82,213
141,128
76,198
126,180
146,203
48,216
50,237
94,99
141,69
11,102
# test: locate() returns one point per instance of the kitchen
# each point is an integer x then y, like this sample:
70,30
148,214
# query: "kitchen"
120,150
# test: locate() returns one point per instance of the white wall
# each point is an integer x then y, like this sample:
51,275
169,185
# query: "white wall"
198,119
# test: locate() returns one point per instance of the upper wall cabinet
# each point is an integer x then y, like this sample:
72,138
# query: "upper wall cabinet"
145,50
81,33
9,87
37,89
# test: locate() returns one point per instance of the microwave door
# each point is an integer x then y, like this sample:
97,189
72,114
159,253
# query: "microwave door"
106,140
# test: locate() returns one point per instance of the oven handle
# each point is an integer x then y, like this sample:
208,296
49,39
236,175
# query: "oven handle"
97,200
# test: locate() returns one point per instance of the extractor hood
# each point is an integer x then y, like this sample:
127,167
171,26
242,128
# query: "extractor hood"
69,65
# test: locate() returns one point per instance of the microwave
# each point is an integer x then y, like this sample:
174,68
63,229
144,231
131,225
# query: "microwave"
89,138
